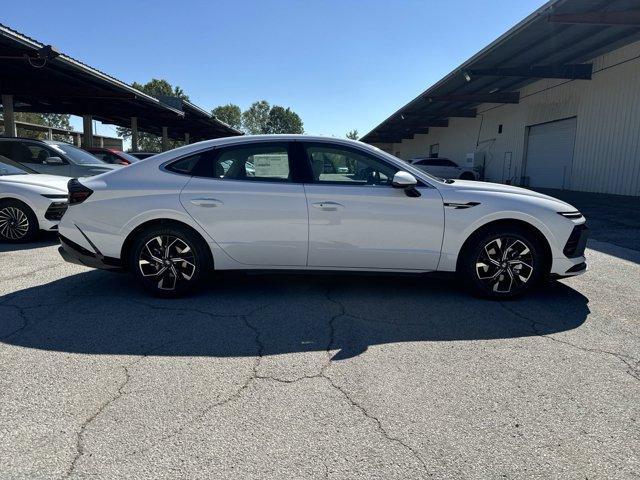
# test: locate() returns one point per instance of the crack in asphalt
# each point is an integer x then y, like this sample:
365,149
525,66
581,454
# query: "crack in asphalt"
83,427
235,395
120,392
32,272
23,316
632,364
256,376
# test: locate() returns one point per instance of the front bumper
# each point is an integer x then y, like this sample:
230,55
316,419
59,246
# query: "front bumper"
73,253
574,262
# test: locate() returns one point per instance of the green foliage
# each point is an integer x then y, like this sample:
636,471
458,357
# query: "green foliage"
352,135
260,118
229,114
255,119
283,120
56,120
159,87
148,142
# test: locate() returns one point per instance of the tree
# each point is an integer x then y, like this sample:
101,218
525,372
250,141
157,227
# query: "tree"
160,87
254,120
56,120
156,88
352,135
229,114
283,120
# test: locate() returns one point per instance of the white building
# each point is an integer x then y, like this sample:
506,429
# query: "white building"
576,129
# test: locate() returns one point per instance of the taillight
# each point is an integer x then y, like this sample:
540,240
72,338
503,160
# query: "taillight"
124,162
78,193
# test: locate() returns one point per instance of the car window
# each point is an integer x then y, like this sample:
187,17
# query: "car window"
261,162
30,153
128,157
76,155
448,163
339,165
190,165
9,167
102,156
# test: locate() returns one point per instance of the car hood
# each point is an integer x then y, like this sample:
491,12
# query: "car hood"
54,182
462,186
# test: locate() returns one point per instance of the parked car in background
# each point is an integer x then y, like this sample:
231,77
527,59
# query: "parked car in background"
172,218
142,155
53,157
112,156
29,201
443,168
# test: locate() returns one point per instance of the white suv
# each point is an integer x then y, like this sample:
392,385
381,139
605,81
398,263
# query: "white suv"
443,168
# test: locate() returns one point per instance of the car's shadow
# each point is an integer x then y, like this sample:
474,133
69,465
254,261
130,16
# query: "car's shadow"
44,239
240,315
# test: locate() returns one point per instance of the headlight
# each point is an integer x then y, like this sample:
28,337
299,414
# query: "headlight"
571,215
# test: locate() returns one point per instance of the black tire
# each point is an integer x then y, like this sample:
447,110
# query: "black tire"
521,265
154,255
18,223
467,176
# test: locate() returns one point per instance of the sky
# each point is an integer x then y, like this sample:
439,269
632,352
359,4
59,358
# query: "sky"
340,64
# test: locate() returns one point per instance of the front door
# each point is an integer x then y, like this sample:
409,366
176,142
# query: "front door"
357,219
249,204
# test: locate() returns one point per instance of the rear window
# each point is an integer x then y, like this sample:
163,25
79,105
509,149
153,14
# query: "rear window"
195,164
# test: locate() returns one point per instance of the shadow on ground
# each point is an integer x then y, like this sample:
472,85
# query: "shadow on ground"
45,239
240,315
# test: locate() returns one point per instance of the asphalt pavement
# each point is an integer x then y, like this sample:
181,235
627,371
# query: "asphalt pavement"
293,376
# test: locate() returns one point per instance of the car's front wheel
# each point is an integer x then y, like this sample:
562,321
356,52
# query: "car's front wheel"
169,260
503,262
18,223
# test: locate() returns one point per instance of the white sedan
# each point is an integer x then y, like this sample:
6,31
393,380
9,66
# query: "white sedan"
29,201
174,217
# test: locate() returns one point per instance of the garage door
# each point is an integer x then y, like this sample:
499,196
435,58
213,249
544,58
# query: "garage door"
550,154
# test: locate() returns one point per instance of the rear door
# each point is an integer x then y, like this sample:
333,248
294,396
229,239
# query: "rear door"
249,200
358,219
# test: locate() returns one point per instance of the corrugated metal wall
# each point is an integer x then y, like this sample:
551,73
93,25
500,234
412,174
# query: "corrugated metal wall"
607,149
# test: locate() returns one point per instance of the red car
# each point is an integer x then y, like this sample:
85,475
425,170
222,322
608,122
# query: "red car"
113,156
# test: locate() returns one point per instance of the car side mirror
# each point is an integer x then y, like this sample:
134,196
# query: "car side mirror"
406,181
54,161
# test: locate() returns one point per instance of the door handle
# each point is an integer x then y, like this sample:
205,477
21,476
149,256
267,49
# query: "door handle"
328,206
207,202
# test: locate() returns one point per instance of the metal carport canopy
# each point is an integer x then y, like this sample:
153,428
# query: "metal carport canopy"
553,42
65,85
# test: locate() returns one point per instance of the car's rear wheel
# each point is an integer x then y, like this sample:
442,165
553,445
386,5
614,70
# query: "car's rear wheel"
18,223
169,261
503,262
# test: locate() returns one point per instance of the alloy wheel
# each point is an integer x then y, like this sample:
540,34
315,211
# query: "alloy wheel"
167,260
505,264
14,223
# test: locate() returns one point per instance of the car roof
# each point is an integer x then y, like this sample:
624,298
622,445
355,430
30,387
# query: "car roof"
242,139
21,139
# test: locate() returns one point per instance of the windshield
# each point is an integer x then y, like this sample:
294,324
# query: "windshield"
9,167
129,157
76,155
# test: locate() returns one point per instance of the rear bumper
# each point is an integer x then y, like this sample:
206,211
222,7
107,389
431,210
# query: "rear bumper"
73,253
